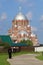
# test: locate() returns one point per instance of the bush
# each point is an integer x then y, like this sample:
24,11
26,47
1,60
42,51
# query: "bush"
23,41
1,44
28,42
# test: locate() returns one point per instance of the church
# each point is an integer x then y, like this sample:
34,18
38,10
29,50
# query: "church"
21,29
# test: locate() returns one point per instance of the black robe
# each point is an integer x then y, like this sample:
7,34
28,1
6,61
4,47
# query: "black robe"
10,53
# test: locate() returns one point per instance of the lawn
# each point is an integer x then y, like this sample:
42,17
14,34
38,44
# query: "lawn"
3,59
40,56
23,52
4,56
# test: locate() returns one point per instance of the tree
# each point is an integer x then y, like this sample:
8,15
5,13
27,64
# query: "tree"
23,41
28,42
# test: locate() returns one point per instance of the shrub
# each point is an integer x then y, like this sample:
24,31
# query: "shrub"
28,42
1,44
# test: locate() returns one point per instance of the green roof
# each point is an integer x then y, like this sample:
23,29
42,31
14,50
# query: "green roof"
19,44
7,39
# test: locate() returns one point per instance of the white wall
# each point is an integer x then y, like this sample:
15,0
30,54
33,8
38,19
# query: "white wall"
38,49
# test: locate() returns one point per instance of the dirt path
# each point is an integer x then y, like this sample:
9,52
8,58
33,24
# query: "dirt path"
26,59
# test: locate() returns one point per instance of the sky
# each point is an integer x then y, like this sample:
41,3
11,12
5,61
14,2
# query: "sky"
33,9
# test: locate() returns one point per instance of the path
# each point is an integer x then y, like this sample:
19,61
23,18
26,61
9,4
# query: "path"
25,59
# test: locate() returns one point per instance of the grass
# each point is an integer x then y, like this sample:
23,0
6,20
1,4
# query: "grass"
40,56
3,59
4,56
23,52
20,53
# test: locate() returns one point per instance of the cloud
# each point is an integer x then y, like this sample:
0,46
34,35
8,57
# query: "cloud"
3,16
33,29
29,15
41,18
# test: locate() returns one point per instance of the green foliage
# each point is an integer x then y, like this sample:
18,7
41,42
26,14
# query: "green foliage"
39,57
23,41
28,42
4,56
23,52
3,59
1,44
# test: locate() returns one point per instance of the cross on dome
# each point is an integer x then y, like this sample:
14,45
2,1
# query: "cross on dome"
20,15
20,8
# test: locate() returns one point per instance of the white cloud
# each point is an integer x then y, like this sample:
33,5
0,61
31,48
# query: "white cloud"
34,29
3,16
41,18
29,15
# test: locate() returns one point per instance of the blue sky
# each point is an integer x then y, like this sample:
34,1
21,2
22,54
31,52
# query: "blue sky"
33,9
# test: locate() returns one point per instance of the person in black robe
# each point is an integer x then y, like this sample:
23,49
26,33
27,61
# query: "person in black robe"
10,53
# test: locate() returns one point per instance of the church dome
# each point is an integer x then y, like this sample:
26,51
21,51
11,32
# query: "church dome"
20,16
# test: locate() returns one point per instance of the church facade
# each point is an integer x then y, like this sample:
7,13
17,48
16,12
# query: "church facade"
21,29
